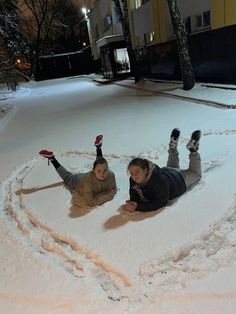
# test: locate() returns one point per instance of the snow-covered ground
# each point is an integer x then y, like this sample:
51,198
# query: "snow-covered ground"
59,259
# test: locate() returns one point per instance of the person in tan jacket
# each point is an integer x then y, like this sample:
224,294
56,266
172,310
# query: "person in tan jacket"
95,187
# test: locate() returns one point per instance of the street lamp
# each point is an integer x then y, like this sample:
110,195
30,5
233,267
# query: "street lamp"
84,11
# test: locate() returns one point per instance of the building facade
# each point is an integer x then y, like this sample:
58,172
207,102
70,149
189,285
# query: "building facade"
210,25
107,40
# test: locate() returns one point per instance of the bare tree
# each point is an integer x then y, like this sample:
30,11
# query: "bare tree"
123,15
65,35
182,42
38,21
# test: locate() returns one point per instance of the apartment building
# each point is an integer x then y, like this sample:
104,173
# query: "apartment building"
210,25
107,40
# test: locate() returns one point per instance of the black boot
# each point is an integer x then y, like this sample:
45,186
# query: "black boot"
193,144
174,138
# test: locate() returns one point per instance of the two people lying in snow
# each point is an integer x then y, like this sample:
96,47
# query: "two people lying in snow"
151,187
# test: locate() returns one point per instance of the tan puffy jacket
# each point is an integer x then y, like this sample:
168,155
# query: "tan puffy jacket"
85,187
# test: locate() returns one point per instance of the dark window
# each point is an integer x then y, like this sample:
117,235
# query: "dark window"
187,23
199,20
107,22
206,18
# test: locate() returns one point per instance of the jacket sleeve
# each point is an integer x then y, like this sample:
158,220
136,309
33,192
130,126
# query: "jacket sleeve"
133,194
98,199
89,199
112,185
145,206
158,197
103,198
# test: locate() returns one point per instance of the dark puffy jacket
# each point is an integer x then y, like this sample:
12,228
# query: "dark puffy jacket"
164,184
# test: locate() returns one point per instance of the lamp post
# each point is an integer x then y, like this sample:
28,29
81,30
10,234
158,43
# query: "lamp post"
86,29
84,34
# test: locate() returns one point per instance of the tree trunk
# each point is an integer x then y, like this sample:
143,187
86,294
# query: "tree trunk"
181,37
124,19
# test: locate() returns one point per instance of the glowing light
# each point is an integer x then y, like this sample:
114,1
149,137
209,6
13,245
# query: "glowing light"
84,10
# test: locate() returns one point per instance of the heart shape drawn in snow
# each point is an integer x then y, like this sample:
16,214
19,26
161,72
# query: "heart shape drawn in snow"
124,251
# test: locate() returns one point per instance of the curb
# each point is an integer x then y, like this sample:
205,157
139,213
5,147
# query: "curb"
166,94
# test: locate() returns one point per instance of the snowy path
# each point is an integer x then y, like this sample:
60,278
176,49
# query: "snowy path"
85,260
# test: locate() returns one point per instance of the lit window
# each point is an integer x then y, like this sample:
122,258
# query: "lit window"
152,38
122,60
138,3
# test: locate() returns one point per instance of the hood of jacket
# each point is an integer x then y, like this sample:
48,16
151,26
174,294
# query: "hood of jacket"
152,167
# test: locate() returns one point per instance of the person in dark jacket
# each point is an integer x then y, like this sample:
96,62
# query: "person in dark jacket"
152,187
